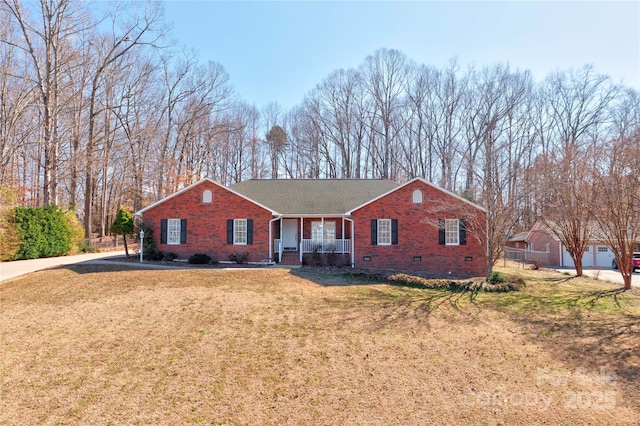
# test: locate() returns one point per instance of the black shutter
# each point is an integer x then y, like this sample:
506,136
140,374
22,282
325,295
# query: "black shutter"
183,231
229,231
163,231
249,231
441,232
394,231
374,232
463,232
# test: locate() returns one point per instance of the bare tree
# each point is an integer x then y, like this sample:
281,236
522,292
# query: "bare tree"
142,29
46,40
578,104
386,78
616,185
16,99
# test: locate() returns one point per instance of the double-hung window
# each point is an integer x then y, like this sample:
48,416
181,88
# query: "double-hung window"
240,231
453,232
384,232
173,231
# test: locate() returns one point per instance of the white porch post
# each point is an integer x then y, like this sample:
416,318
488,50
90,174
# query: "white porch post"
352,240
322,225
270,241
281,247
299,242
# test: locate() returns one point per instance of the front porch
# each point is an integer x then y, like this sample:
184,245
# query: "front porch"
320,236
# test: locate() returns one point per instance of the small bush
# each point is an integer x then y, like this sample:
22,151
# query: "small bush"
88,249
10,241
239,257
151,251
496,278
199,259
332,258
77,232
170,256
316,257
153,254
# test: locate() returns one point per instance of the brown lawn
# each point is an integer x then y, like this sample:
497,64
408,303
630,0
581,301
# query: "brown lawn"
93,345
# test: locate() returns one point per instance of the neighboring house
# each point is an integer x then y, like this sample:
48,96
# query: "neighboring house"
542,239
364,223
518,241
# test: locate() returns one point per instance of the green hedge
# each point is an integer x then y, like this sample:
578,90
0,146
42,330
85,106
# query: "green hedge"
44,231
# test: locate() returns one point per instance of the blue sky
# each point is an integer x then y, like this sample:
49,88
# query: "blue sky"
279,51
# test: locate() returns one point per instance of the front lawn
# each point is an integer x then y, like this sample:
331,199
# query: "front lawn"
92,345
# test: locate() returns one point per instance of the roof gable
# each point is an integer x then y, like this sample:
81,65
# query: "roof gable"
193,185
418,179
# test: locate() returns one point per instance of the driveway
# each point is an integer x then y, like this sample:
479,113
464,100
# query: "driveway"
607,275
16,268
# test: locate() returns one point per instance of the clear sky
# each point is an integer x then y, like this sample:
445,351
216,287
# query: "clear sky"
279,51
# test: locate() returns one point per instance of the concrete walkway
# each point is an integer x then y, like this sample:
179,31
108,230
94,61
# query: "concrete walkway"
17,268
606,275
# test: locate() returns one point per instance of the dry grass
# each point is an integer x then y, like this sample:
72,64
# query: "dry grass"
89,344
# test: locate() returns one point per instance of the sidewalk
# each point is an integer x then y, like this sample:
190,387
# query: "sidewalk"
16,268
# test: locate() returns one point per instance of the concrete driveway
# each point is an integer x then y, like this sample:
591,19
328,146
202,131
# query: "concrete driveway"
607,275
16,268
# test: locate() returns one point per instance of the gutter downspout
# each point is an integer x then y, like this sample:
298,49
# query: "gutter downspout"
353,259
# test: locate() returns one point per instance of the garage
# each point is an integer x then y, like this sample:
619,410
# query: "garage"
604,257
587,258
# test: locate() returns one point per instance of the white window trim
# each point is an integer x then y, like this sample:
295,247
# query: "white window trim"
207,196
173,229
327,226
449,233
236,222
417,196
380,234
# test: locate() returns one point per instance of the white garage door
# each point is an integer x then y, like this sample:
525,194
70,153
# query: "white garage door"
604,257
587,258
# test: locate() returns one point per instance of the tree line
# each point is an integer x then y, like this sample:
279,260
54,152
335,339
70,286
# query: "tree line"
101,111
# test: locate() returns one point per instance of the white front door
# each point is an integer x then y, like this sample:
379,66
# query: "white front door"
290,234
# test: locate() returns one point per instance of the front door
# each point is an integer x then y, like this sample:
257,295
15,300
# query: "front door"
290,234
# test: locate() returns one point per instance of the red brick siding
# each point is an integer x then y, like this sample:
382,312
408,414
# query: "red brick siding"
207,223
538,239
418,234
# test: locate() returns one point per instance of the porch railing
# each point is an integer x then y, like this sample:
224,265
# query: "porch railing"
335,246
311,246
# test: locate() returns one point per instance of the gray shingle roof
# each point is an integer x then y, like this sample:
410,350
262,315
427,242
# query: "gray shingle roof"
313,196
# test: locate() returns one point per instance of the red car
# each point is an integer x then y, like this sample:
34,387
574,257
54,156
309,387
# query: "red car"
636,262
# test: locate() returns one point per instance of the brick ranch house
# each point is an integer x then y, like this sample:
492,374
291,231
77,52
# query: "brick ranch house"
364,223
